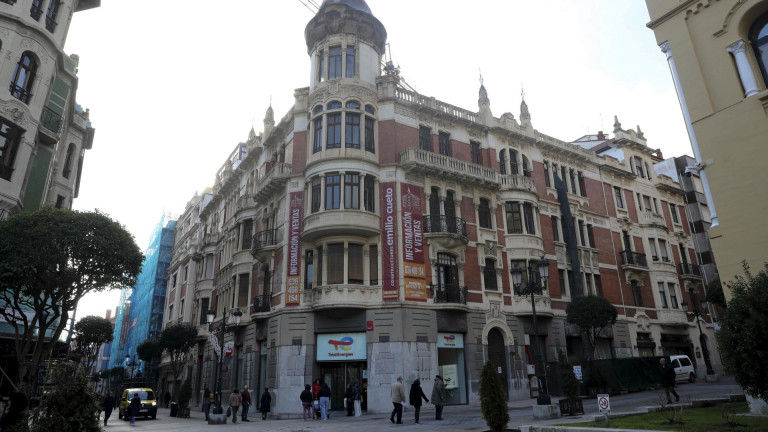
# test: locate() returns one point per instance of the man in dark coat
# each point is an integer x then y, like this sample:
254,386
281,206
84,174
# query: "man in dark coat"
667,374
349,400
265,403
134,408
246,395
108,404
167,398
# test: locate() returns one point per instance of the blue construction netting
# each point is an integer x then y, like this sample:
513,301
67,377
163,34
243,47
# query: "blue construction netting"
140,313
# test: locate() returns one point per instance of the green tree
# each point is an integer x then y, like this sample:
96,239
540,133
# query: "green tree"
177,340
70,405
592,314
743,335
150,352
493,404
91,333
51,259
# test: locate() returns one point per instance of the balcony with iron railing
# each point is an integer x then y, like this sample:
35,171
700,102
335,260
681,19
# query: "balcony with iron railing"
261,303
689,271
448,167
441,225
20,93
264,239
273,181
51,122
635,259
450,293
341,295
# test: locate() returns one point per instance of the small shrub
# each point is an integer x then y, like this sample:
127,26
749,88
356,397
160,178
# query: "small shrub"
186,394
493,404
70,406
568,381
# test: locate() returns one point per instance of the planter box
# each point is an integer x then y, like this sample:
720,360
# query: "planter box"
571,406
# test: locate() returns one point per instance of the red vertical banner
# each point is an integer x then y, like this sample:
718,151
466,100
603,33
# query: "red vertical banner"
414,283
389,265
293,281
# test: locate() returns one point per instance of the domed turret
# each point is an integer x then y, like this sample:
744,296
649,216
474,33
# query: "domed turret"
354,4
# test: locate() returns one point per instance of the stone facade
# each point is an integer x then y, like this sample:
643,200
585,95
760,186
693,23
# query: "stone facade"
370,234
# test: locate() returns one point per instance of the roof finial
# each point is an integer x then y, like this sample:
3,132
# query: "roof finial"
481,76
522,91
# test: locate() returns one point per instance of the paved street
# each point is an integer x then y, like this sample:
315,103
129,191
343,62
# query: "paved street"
457,418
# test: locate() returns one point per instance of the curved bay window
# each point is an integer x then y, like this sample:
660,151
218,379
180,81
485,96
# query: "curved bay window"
346,188
520,217
345,262
343,125
24,77
758,36
340,61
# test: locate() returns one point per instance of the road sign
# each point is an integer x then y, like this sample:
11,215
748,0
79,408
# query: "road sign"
577,372
604,403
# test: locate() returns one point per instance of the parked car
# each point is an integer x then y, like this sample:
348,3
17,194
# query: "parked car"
148,403
684,370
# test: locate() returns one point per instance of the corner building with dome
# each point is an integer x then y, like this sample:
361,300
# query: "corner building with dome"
370,234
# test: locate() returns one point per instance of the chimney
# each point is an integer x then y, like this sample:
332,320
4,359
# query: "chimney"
109,314
658,153
600,135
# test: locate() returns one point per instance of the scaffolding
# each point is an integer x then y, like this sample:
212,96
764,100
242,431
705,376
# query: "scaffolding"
140,314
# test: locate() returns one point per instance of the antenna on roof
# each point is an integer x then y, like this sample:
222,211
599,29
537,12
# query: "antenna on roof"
311,5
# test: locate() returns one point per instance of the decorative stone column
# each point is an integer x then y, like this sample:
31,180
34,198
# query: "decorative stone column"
738,50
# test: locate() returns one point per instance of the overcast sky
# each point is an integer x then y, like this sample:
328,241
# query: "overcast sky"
174,85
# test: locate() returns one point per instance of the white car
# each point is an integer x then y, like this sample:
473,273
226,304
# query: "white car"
683,367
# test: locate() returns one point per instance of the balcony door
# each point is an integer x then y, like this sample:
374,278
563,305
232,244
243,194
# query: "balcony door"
448,277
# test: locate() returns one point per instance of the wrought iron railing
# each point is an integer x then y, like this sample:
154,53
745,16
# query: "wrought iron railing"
261,303
20,93
633,258
689,269
264,239
35,12
449,293
445,224
51,120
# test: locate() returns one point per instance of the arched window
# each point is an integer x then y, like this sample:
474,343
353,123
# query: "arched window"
24,77
758,35
513,162
68,161
503,161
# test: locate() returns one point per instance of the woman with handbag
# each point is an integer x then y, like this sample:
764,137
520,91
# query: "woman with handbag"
234,403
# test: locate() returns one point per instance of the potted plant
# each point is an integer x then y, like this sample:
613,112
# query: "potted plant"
184,396
493,404
572,403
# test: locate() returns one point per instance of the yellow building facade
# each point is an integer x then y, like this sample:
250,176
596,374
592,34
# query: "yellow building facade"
718,53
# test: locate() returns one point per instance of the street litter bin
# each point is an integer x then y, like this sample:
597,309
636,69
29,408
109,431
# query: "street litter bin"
174,409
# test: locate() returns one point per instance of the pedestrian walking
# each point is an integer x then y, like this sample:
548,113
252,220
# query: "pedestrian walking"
438,397
246,402
325,400
108,404
265,404
207,400
234,403
306,402
358,396
667,374
398,400
167,398
415,396
316,397
134,408
349,400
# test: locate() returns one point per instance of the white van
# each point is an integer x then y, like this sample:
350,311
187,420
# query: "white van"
684,370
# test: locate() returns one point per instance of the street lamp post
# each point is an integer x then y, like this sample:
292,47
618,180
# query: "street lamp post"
532,287
211,315
696,314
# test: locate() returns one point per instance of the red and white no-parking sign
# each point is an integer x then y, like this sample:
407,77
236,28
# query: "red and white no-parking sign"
604,403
